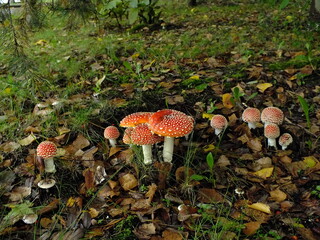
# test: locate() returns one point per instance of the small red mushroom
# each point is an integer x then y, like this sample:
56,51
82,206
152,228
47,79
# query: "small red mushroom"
111,133
272,131
170,124
141,135
251,116
134,119
285,140
219,123
47,150
272,115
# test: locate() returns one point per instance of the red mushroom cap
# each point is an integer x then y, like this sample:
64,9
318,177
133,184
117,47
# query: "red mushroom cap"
271,130
127,135
46,149
272,115
219,122
111,132
141,135
285,140
171,123
134,119
251,115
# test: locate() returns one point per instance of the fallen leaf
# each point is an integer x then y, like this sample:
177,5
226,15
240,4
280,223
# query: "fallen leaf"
9,147
255,144
128,181
310,161
264,173
18,193
251,228
260,207
277,195
209,195
28,140
45,222
226,100
263,86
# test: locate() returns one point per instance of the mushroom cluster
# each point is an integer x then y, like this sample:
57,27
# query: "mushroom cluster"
272,118
148,128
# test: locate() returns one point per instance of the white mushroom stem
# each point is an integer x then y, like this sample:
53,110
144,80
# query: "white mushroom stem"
147,154
272,142
168,149
217,131
113,142
251,125
284,147
49,165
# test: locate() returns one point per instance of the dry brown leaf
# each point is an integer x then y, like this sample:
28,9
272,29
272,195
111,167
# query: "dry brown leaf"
183,173
9,147
118,102
151,191
172,234
45,222
93,212
264,173
80,142
209,195
164,169
172,100
140,205
89,179
255,144
18,193
251,228
51,206
128,181
277,195
145,230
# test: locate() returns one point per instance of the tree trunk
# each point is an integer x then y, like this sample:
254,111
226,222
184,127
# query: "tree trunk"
315,10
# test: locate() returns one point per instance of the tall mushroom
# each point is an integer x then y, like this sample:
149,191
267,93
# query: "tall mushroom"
111,133
47,150
251,116
141,135
219,123
170,124
272,131
272,115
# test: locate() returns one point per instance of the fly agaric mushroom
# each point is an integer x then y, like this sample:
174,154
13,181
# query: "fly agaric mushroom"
285,140
272,115
47,150
219,123
141,135
134,119
127,136
251,116
111,133
170,124
272,131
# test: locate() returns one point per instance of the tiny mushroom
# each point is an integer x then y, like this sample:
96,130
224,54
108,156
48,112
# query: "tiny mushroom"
46,183
285,140
219,123
47,150
251,116
141,135
111,133
272,115
272,131
170,124
134,119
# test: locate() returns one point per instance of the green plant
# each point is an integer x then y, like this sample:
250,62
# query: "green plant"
316,191
305,107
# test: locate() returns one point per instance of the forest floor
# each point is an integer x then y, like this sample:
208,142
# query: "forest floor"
207,60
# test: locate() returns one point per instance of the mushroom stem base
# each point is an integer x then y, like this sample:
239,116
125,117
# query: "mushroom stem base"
147,154
112,142
272,143
49,166
168,149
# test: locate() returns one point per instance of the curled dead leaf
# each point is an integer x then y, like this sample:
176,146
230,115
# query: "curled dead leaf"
128,181
260,207
251,228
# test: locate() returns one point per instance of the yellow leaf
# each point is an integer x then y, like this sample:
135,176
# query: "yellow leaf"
226,100
263,86
209,148
310,161
277,195
41,42
195,77
261,207
264,173
136,55
7,91
207,115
